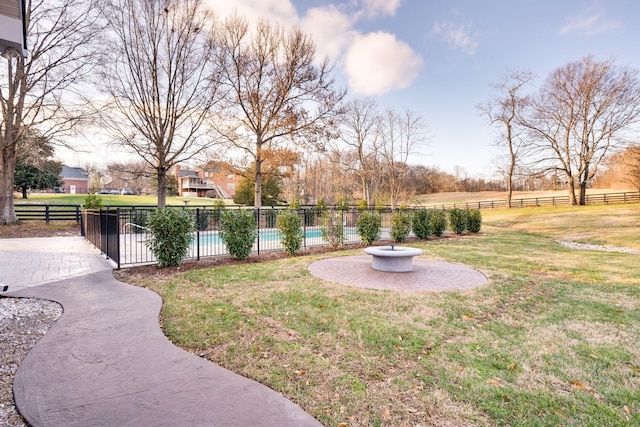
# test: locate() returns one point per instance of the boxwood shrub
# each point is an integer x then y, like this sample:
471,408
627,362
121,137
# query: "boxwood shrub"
368,226
400,225
438,223
422,223
458,220
474,220
238,231
289,226
170,235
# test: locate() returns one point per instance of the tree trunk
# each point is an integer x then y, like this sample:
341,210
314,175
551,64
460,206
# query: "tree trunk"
162,187
572,192
584,180
257,201
7,172
512,165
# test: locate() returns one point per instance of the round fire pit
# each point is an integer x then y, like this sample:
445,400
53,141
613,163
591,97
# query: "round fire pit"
396,259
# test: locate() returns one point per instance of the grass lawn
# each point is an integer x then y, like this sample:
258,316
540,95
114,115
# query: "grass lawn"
553,339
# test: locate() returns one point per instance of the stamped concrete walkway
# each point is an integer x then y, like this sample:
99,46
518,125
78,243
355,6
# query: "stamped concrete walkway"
105,362
427,275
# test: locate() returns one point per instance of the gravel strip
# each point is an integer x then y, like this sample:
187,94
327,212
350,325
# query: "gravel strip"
601,248
23,321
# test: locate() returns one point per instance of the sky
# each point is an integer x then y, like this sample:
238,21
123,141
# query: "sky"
438,58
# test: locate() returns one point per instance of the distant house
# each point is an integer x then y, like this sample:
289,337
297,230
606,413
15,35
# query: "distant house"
75,180
208,181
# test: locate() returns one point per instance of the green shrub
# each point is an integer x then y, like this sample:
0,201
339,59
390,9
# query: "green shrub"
313,216
458,220
438,222
362,206
170,235
368,227
379,206
343,204
238,231
218,207
400,225
332,228
92,201
290,228
474,220
422,223
294,203
321,206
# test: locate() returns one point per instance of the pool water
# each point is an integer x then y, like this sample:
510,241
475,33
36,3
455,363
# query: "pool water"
212,238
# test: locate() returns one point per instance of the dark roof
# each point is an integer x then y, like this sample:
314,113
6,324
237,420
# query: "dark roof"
74,173
188,173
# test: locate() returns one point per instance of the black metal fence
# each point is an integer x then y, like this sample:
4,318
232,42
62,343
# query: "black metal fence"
122,234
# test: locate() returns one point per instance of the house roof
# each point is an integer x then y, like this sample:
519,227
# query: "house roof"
69,172
188,173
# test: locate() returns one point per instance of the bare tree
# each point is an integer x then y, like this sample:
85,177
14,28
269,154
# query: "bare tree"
358,131
580,114
631,164
400,135
504,108
275,91
42,92
161,80
136,176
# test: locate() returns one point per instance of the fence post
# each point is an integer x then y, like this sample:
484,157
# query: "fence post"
304,227
117,251
46,214
258,215
198,234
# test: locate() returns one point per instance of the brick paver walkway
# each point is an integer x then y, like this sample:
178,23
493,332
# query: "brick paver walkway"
428,274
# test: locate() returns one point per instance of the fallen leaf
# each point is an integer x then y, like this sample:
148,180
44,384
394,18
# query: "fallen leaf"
467,317
494,382
343,425
626,410
593,356
582,386
386,414
300,372
511,366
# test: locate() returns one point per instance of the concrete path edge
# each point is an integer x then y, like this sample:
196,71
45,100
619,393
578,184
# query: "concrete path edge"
106,362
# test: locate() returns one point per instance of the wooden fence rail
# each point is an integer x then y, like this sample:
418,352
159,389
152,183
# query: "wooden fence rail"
42,212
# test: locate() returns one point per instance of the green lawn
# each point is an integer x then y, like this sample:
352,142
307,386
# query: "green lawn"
553,339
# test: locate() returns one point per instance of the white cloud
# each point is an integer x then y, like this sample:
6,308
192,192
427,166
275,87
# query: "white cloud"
590,22
331,29
380,7
456,35
280,11
376,63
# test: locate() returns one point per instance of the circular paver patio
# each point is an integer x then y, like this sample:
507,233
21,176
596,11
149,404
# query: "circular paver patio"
428,274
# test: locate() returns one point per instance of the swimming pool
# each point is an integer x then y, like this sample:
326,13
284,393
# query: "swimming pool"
313,236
